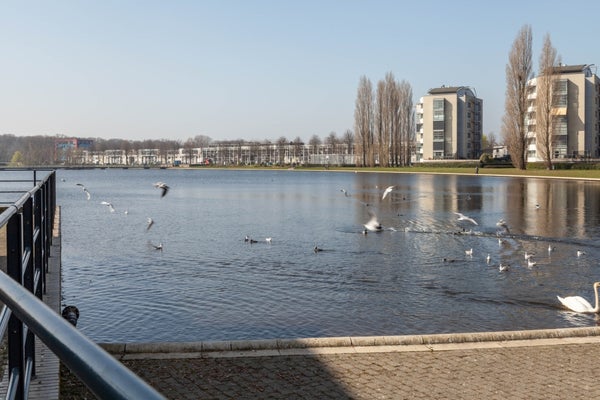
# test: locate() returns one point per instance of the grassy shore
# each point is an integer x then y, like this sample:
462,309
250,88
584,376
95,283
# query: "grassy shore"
591,174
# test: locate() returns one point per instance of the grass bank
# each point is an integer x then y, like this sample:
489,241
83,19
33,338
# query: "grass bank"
591,174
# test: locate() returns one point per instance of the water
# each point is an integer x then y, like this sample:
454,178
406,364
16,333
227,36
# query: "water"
209,284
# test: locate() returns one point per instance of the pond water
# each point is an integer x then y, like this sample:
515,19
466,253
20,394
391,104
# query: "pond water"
208,283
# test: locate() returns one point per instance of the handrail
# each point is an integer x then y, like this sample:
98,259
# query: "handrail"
29,222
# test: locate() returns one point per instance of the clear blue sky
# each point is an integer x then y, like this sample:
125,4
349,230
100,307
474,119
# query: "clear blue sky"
256,70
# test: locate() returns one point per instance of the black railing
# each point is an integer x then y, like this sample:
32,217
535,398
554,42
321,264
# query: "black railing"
28,224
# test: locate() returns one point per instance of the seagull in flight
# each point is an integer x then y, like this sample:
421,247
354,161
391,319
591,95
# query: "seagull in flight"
386,191
109,205
373,224
150,223
162,186
345,192
87,193
462,217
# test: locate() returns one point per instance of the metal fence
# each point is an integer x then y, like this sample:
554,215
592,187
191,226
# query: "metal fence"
27,224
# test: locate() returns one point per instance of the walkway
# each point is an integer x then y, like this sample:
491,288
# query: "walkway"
497,365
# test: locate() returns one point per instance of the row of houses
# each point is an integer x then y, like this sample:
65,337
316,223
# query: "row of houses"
449,125
221,155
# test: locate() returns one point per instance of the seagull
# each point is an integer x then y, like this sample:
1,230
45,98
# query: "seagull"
87,193
550,248
150,223
386,191
537,206
345,192
502,224
163,186
503,267
158,246
373,224
531,263
462,217
469,252
109,205
488,259
528,255
580,253
317,249
269,240
500,242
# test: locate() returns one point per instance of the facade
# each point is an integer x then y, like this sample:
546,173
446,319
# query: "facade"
575,114
64,147
449,124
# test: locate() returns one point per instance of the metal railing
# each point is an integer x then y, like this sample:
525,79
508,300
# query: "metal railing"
28,222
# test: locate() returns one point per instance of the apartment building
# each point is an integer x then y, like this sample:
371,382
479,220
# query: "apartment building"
449,124
575,114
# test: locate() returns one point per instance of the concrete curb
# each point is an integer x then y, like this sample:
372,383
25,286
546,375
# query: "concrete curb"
274,346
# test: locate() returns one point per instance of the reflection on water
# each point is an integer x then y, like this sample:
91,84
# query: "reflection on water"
208,283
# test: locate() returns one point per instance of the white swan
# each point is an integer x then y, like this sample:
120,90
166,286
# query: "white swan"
579,304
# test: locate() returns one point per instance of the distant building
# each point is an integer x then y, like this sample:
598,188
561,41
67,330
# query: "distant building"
65,148
575,114
449,124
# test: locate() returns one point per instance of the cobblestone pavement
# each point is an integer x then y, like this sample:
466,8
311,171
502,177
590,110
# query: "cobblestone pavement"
491,371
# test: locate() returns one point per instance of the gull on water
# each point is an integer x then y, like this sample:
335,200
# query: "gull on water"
269,240
550,248
531,263
317,249
345,192
373,224
469,252
462,217
528,255
503,267
109,205
158,246
162,186
580,253
488,259
386,191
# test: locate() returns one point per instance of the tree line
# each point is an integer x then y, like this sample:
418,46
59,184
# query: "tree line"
40,149
384,122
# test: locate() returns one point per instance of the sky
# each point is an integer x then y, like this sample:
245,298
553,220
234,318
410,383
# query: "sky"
257,70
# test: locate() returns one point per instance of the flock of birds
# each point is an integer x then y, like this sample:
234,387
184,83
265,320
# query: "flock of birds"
574,303
164,188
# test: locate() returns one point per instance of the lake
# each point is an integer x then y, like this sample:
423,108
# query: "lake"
414,277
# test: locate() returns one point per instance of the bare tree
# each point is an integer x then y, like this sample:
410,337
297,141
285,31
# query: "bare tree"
544,101
382,123
363,123
348,140
282,143
518,73
406,122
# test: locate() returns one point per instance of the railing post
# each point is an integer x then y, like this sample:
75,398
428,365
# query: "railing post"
15,327
28,271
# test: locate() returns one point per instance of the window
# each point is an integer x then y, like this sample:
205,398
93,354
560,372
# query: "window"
438,109
560,95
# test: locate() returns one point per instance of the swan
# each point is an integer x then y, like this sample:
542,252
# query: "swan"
579,304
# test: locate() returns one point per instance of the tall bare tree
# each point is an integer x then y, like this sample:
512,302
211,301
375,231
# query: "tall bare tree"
518,72
406,122
544,101
363,123
381,120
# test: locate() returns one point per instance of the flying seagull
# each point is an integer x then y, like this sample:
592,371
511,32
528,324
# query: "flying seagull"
345,192
109,205
150,223
163,186
386,191
87,193
462,217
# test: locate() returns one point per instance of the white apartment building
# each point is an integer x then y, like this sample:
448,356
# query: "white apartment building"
449,124
575,114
